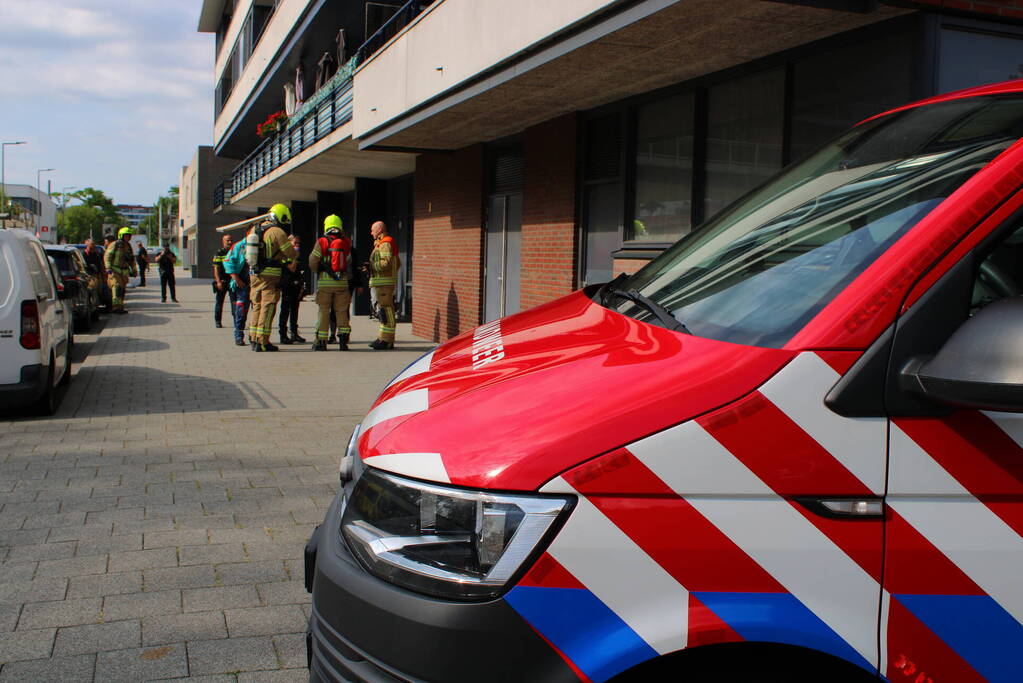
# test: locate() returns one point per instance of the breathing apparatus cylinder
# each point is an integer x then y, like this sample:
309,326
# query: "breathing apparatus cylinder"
253,245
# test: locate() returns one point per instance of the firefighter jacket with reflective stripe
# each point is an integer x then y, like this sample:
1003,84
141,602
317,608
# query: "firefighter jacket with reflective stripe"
277,247
119,258
384,263
326,279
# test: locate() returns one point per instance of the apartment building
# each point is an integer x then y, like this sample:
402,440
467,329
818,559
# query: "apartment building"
521,150
195,233
134,213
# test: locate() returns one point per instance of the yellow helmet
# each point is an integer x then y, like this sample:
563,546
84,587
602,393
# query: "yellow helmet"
281,214
332,224
124,231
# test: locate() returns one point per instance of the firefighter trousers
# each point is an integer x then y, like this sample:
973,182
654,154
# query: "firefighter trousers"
264,293
117,282
388,322
339,300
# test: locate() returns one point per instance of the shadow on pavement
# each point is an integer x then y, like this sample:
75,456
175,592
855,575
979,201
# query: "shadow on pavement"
124,344
117,390
140,319
154,306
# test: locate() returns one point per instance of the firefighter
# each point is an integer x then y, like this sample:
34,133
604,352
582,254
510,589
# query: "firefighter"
120,265
331,259
383,277
264,288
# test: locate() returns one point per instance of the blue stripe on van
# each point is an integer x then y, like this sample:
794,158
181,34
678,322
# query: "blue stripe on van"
583,628
977,628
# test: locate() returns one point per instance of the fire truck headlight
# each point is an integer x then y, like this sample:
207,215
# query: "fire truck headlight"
444,541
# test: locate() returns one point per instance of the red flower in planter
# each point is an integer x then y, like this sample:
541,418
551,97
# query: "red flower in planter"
274,122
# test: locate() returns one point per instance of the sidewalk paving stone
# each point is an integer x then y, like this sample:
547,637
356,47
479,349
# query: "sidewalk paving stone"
76,640
142,664
231,655
76,669
37,615
172,628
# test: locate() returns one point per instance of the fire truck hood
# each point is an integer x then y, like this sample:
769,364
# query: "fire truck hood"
516,402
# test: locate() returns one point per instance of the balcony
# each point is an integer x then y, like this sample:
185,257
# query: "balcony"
322,114
328,110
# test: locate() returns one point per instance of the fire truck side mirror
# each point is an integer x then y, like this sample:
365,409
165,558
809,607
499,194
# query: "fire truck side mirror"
981,364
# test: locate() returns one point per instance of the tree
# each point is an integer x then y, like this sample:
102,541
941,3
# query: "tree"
80,221
98,200
88,218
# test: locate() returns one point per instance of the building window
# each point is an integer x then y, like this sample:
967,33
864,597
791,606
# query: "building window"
745,128
602,198
28,203
876,74
662,207
970,58
602,213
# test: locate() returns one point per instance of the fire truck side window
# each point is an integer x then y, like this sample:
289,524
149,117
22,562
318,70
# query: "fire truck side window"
1001,272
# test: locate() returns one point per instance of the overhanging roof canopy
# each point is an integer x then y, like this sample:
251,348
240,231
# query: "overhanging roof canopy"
210,14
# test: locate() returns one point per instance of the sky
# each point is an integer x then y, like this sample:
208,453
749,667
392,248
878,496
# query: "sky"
113,94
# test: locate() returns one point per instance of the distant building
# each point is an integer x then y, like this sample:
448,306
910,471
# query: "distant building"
133,213
34,211
195,228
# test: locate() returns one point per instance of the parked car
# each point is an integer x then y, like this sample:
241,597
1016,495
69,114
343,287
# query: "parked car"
105,297
73,268
153,253
35,325
788,449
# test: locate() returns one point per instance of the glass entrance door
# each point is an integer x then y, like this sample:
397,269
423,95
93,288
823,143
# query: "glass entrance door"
503,255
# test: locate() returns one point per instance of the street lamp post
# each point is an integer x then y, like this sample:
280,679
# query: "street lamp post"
39,197
3,176
63,205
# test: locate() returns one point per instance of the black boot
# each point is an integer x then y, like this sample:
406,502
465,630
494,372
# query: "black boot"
285,340
342,342
381,345
319,345
295,338
267,346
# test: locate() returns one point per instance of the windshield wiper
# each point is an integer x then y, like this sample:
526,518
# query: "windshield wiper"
662,314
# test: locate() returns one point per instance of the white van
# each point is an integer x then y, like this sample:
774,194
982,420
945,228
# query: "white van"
35,326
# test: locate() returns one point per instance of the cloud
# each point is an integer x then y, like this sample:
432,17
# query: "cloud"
105,87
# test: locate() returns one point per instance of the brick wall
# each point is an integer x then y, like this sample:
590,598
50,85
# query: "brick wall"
447,254
630,266
549,229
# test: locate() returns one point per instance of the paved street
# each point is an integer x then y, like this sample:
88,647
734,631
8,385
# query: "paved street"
154,528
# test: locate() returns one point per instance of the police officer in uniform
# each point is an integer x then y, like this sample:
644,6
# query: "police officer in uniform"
119,261
332,292
383,278
221,282
264,286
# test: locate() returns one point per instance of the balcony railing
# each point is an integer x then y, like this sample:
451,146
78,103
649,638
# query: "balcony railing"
399,20
222,194
326,111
